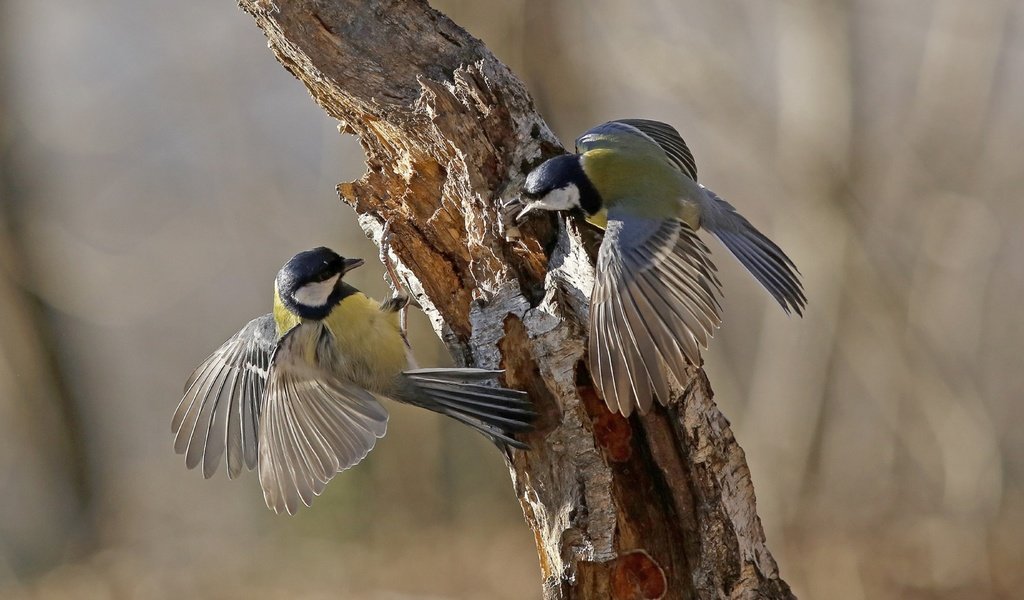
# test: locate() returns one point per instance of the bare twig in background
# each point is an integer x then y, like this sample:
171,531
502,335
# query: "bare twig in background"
659,506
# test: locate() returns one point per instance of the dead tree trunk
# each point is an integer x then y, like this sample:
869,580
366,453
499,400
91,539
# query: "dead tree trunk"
660,506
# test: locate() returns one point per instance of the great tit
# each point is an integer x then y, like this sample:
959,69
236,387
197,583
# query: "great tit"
655,300
296,392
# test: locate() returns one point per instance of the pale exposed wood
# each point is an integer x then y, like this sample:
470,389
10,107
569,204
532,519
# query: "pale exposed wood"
659,506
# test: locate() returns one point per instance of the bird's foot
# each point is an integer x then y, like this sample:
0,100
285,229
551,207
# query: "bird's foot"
395,303
508,212
401,299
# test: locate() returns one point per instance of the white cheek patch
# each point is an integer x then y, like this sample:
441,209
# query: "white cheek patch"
561,199
315,293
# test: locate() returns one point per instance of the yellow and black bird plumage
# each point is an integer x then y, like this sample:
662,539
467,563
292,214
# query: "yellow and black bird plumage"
655,300
296,392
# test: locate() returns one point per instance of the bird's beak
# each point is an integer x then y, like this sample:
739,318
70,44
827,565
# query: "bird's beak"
522,214
351,263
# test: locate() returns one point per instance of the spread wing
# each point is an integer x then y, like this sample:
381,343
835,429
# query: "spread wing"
219,411
761,256
654,305
313,425
662,134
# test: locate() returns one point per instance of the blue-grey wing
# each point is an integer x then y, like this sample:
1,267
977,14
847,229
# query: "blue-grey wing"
219,411
655,303
772,268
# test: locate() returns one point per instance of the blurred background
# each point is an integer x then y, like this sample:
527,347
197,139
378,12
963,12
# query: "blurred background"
157,167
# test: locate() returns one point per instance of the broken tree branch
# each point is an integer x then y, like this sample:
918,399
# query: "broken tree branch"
659,506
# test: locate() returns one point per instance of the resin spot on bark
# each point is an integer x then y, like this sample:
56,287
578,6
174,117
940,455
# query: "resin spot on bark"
635,576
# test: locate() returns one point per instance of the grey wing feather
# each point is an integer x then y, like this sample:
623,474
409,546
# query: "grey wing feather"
655,304
219,411
761,256
662,134
314,425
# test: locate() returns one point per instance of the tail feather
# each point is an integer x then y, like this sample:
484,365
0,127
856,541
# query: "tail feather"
497,436
456,374
509,423
495,412
514,407
761,256
479,394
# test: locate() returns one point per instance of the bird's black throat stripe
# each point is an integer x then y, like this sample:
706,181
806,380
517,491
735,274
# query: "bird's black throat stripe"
590,199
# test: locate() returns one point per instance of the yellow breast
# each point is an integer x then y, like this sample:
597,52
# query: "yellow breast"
368,347
369,340
599,219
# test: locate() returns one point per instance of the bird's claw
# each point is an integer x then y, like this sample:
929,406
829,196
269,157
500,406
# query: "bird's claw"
509,213
400,299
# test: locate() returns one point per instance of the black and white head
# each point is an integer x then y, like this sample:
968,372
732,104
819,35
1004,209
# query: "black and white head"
310,284
559,184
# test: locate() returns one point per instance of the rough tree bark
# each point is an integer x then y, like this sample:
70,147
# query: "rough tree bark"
660,506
